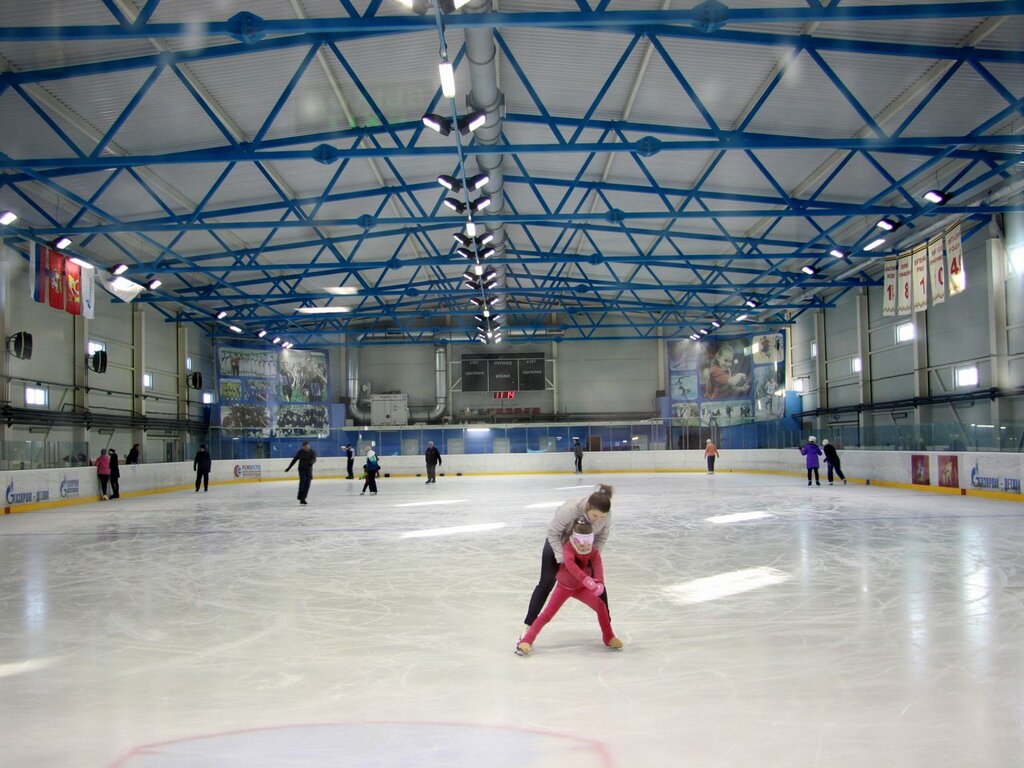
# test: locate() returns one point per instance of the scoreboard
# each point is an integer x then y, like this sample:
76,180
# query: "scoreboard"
502,373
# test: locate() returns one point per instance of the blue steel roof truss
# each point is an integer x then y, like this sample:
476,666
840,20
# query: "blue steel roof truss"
684,255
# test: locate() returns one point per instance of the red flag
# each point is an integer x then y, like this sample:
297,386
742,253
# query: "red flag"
73,287
56,280
40,265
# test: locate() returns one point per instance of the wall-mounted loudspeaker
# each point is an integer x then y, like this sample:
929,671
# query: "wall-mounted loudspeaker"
20,345
195,380
98,361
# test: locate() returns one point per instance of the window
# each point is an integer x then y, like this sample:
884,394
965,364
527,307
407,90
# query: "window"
967,377
855,364
800,385
147,380
188,363
904,332
814,349
207,398
96,346
38,396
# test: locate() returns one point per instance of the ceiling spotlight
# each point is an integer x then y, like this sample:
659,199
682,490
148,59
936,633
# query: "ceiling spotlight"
741,318
261,333
463,240
715,324
874,244
342,290
695,336
456,205
807,269
154,284
703,331
81,262
480,203
465,253
486,253
276,340
8,217
323,310
220,315
475,182
450,182
480,301
119,269
486,237
750,303
936,196
437,123
447,73
416,6
235,328
472,121
839,253
887,224
447,6
62,243
470,227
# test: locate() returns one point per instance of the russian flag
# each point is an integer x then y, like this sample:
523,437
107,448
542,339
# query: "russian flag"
40,282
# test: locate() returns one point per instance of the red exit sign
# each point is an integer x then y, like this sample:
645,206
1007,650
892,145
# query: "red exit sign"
509,394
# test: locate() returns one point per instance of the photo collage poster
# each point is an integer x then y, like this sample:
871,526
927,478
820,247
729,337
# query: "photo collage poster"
272,392
729,382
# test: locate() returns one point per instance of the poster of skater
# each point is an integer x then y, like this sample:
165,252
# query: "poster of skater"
769,393
303,376
245,420
725,370
683,355
768,348
949,471
684,385
727,413
685,414
301,421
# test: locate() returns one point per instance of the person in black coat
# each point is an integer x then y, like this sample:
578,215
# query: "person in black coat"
133,455
433,457
115,475
350,458
306,458
201,464
832,461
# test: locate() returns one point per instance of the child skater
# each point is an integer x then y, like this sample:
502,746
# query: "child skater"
581,575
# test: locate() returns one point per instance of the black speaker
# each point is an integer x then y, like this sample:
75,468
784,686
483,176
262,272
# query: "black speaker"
20,345
195,380
98,361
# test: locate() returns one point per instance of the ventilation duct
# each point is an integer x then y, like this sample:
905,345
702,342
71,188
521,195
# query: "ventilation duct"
352,365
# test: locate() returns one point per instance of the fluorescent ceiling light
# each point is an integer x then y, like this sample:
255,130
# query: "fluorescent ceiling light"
8,217
936,196
741,318
119,269
261,333
62,243
470,227
323,310
342,290
807,269
838,253
887,224
82,262
447,73
874,244
220,315
235,328
154,284
276,340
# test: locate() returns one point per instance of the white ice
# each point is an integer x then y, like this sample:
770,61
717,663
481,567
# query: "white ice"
766,624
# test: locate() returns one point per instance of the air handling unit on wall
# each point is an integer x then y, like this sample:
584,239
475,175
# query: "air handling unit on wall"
389,410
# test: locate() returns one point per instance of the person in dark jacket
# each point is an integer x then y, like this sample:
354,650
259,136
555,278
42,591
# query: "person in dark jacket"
350,460
306,458
133,455
433,457
201,464
832,461
115,475
577,451
812,452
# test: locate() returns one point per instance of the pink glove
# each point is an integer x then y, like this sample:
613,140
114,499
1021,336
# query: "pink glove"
594,586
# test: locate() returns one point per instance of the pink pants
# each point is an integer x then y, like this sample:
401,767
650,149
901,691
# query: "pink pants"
557,600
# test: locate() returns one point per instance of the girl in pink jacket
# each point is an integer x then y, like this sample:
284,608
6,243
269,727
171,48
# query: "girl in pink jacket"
581,575
103,472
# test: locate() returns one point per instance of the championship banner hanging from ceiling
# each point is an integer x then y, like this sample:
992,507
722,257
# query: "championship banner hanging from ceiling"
903,278
889,286
954,250
937,268
920,259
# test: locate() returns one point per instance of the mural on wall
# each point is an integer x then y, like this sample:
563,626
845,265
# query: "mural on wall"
949,472
919,474
728,382
272,391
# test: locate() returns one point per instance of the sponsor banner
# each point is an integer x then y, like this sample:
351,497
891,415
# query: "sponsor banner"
88,293
937,267
890,286
249,471
69,487
994,473
903,279
920,258
949,472
24,494
919,469
954,252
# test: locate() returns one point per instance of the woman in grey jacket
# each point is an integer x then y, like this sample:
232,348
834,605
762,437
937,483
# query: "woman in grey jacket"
596,508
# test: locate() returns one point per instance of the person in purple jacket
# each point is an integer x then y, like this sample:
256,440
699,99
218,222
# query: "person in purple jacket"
812,452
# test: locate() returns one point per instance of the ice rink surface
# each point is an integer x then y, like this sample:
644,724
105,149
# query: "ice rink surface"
767,625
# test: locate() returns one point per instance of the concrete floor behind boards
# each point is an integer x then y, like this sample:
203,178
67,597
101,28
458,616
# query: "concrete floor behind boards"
767,624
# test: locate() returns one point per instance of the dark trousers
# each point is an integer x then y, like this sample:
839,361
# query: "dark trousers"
350,463
548,571
370,482
838,471
115,487
711,463
431,470
203,479
104,479
579,463
815,471
305,480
